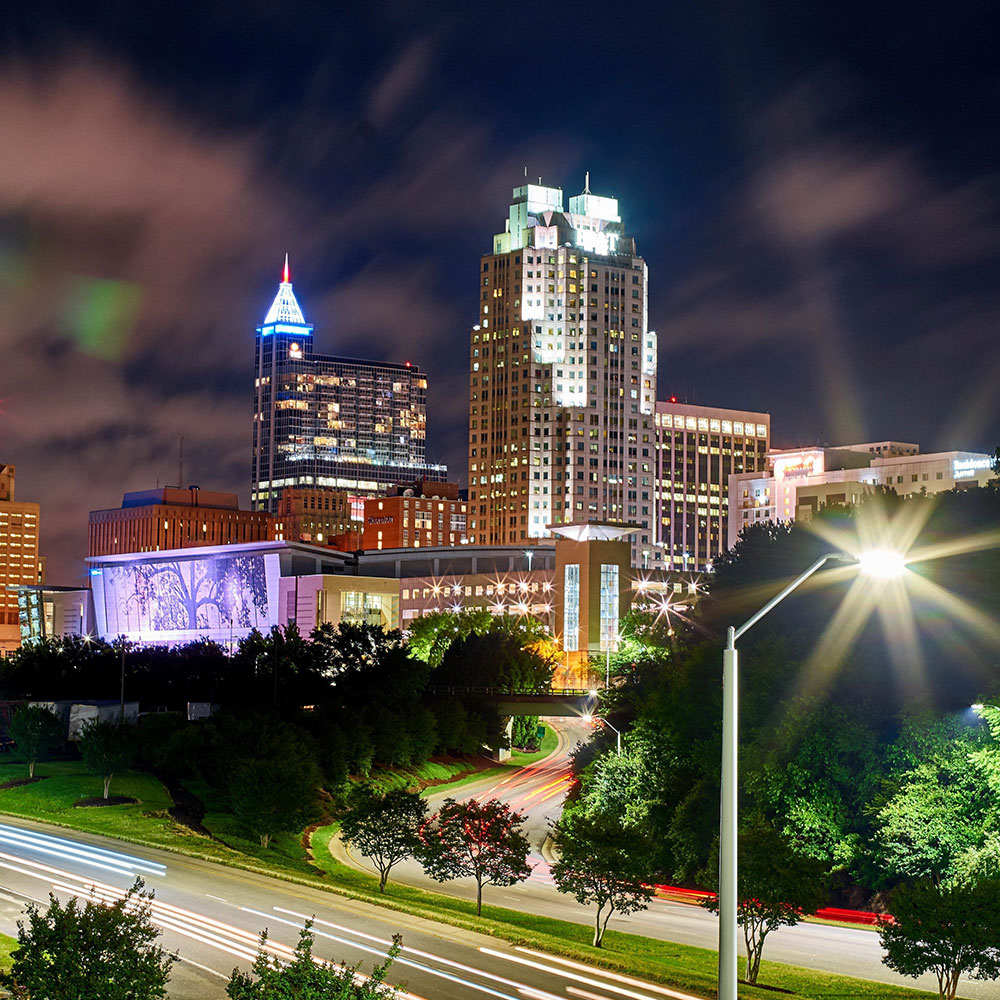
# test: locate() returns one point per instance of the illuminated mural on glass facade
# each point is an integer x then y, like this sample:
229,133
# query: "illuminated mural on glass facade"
216,593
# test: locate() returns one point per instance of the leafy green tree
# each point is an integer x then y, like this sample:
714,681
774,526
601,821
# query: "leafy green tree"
949,930
37,732
305,978
943,807
107,748
524,731
776,887
601,863
385,828
495,660
480,840
274,794
109,951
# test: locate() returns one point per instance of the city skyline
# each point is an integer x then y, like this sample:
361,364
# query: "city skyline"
818,219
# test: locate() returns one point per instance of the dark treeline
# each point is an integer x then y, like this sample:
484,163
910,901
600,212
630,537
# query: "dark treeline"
860,746
345,697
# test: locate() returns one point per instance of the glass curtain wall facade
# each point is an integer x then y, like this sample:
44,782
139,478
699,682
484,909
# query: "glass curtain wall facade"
323,421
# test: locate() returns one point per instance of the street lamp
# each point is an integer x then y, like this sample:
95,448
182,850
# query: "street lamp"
618,735
880,563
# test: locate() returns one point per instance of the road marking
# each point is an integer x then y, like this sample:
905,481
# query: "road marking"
219,898
204,968
610,987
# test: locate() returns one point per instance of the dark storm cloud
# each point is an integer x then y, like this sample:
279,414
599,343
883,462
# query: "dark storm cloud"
101,179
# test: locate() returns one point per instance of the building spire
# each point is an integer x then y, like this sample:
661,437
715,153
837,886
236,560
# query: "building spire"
586,190
285,308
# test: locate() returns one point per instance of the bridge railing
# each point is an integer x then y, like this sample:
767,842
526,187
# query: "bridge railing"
507,692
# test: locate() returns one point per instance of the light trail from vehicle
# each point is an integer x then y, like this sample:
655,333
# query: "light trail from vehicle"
607,974
427,955
576,977
69,851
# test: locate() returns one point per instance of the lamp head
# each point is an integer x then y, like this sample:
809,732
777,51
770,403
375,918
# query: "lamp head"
883,564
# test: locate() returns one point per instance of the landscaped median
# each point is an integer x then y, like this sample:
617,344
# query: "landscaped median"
149,823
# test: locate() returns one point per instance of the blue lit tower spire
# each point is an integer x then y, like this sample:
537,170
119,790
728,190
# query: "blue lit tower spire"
331,422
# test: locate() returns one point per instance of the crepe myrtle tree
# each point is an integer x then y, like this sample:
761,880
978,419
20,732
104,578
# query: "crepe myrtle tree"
480,840
950,930
384,828
776,887
602,864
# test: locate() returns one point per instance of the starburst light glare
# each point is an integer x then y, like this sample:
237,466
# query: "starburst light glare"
885,564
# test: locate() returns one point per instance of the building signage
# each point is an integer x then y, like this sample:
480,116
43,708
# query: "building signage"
963,466
382,519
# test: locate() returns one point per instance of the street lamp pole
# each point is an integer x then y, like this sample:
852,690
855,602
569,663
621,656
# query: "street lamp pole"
600,718
728,812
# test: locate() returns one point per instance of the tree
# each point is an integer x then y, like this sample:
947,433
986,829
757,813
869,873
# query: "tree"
385,829
776,886
602,863
99,950
948,930
107,748
36,731
274,794
305,978
480,840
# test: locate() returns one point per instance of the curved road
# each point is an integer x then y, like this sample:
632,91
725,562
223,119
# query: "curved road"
539,790
212,915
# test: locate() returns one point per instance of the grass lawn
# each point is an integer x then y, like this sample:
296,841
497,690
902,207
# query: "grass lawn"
548,744
7,945
147,822
680,966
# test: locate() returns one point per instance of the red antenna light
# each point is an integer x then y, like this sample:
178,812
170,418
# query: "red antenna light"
284,277
673,399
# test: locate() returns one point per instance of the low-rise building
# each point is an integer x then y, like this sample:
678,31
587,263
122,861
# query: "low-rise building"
798,482
171,518
415,515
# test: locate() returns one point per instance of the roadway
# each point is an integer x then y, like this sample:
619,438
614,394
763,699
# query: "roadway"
212,916
539,791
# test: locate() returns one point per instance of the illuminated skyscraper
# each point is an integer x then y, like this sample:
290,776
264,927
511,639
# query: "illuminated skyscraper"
562,374
322,421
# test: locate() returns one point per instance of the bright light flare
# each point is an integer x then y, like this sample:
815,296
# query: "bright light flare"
883,564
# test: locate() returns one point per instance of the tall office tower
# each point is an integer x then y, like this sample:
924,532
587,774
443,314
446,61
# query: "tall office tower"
322,421
697,449
562,374
19,562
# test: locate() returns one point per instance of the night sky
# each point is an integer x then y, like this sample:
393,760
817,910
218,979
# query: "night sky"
814,188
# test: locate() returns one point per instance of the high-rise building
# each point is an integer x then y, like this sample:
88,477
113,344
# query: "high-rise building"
697,449
175,518
562,374
322,421
19,562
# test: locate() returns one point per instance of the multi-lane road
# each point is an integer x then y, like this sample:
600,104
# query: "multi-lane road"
539,790
212,916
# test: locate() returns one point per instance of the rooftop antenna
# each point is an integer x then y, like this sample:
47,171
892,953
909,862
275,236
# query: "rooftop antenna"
539,180
526,171
180,464
284,274
586,183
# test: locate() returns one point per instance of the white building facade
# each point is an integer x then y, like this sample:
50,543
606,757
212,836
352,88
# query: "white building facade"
801,481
